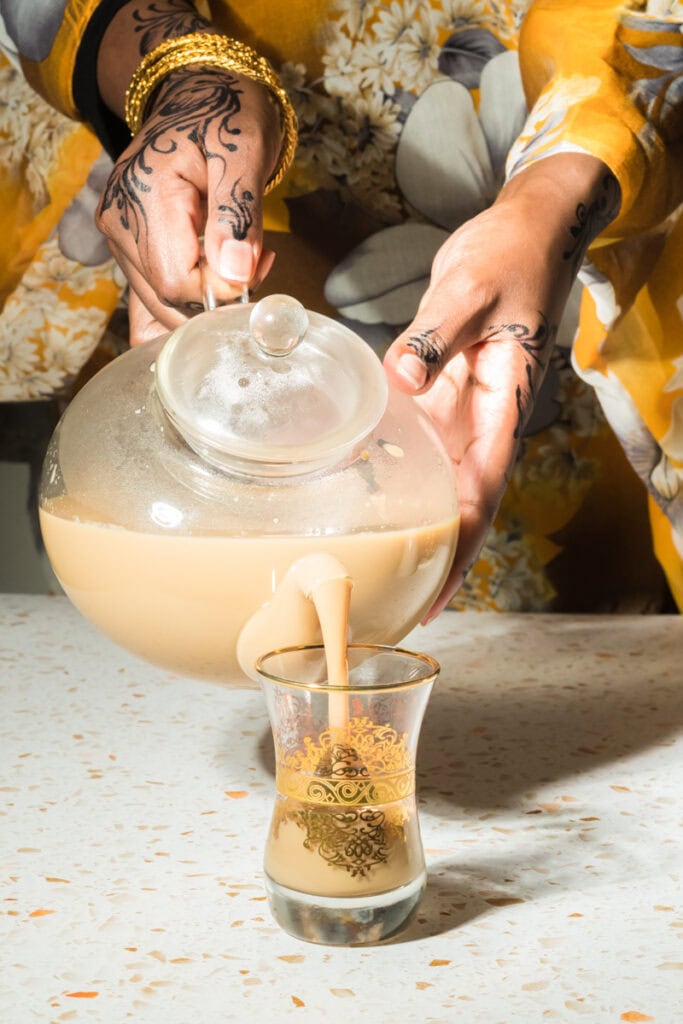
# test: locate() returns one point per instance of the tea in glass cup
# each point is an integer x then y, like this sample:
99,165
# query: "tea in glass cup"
344,863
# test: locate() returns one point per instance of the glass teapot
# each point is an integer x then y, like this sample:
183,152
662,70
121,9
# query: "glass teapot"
195,476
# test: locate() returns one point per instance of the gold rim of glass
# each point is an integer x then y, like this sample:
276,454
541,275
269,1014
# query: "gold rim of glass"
425,659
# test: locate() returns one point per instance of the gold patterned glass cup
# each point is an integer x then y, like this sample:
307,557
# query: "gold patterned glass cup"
344,863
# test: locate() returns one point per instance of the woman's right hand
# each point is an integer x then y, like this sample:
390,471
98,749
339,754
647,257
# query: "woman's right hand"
199,166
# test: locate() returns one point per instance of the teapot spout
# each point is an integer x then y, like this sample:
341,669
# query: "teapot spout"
312,600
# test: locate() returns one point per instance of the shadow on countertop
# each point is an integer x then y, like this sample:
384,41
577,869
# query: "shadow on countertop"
545,698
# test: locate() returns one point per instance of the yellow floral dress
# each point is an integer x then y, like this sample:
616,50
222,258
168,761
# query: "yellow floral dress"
412,114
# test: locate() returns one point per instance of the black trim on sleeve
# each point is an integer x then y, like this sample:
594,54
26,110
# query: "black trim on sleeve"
110,130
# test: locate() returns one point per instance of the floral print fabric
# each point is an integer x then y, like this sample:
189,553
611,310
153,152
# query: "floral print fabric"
412,114
58,285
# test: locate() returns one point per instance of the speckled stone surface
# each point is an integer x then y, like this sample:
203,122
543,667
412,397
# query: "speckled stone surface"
134,807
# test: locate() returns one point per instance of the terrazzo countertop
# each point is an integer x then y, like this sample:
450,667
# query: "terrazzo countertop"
134,806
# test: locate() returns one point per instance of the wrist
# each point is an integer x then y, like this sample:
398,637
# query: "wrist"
215,91
196,57
568,200
134,31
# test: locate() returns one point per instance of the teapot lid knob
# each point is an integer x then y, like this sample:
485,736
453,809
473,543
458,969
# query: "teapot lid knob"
278,323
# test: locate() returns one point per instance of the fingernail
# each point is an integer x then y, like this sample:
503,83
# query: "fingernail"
413,370
236,260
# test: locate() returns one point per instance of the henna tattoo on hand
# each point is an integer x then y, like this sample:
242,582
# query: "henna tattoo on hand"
166,20
189,308
537,346
525,402
430,347
592,219
188,105
468,568
239,214
533,344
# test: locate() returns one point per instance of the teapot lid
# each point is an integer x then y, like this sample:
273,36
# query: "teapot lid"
270,388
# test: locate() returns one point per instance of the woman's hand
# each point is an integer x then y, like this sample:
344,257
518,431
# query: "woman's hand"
480,343
199,166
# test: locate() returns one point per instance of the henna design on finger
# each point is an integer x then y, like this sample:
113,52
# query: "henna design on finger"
525,402
430,348
166,20
536,346
592,219
239,214
190,308
188,104
533,344
468,569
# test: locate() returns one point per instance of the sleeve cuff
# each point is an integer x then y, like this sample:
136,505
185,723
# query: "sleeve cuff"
112,132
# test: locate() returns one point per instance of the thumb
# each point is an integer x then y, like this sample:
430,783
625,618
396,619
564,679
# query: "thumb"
415,359
442,327
448,320
233,236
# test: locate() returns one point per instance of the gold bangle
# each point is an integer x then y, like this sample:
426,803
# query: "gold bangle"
215,51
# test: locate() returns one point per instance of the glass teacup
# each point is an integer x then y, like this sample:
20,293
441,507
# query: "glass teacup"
344,863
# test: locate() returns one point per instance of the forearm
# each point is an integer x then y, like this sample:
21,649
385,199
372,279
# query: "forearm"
134,31
570,199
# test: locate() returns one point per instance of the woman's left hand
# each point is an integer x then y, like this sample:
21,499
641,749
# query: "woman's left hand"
478,348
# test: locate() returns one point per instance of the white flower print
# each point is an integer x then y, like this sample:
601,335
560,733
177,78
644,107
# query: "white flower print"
557,461
15,106
456,14
513,581
30,133
354,14
45,341
330,152
377,70
602,292
581,413
57,269
306,102
393,21
647,456
667,479
443,166
371,129
508,16
672,441
70,337
374,190
342,73
379,53
665,8
675,382
383,279
417,51
444,169
351,66
18,352
23,373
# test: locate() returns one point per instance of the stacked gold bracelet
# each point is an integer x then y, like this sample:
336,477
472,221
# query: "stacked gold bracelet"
215,51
